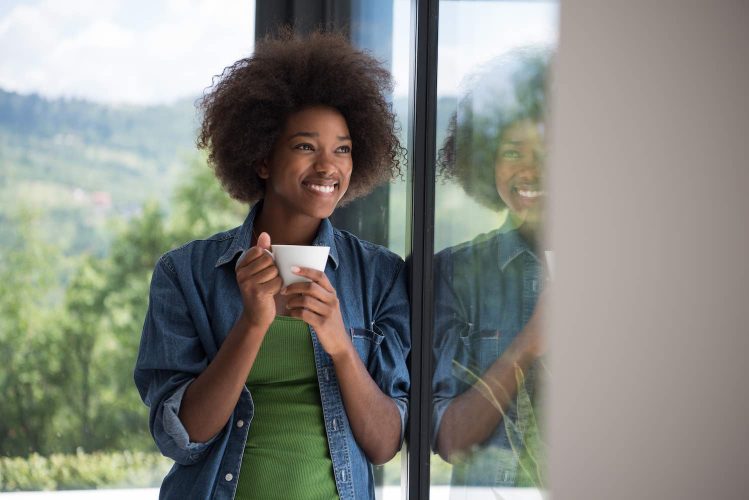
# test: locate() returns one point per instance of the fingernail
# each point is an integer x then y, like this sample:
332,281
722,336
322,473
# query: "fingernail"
295,269
283,291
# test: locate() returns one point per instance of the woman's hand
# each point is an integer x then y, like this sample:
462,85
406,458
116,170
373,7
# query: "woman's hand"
259,281
316,303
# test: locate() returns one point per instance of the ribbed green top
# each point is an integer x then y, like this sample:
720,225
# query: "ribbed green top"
286,455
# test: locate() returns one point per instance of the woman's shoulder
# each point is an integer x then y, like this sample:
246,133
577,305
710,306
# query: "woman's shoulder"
482,246
205,251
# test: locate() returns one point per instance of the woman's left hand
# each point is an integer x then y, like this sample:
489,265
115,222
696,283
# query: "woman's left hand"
317,304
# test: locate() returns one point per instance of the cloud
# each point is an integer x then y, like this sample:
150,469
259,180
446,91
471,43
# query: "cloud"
122,51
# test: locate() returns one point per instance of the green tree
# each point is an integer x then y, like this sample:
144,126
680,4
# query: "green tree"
106,302
69,337
200,207
29,339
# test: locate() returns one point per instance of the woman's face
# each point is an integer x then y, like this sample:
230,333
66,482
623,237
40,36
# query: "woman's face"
518,172
310,166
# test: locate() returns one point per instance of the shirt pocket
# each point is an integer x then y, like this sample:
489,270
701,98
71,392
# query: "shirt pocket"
480,349
366,342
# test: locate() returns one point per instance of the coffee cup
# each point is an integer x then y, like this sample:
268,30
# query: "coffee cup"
288,256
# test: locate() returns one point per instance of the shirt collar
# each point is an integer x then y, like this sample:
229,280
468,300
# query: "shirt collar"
325,238
512,245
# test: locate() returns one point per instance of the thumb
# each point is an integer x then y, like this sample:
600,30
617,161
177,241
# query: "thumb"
263,241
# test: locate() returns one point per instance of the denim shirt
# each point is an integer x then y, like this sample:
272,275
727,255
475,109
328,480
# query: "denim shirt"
194,303
485,293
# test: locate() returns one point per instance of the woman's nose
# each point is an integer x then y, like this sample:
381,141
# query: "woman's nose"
532,163
324,164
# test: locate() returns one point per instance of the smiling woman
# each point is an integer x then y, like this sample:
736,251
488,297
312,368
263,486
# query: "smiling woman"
250,381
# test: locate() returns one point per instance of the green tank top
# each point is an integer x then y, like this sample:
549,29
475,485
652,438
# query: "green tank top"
286,455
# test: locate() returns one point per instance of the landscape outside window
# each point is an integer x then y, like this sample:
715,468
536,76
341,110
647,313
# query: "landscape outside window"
99,175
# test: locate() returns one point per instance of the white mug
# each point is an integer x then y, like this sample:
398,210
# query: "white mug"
287,256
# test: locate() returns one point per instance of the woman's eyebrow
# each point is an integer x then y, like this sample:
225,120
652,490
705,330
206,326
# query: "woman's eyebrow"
315,135
304,134
511,143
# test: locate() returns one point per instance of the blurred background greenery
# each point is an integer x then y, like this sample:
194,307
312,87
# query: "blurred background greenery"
91,197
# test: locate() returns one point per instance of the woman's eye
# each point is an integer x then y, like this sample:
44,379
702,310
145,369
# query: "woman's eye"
344,149
511,154
304,147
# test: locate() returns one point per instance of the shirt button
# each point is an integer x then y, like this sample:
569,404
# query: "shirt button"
229,477
240,423
335,425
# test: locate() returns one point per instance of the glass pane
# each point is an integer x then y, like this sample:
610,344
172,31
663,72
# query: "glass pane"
491,263
384,28
99,175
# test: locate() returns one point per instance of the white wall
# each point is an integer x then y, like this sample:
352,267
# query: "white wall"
650,222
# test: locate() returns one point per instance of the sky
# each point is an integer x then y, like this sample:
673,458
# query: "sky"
154,52
121,51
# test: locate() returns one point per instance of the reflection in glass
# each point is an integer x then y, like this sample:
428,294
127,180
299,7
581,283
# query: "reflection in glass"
488,343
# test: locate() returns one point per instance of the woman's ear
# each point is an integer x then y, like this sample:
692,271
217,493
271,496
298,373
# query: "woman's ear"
262,169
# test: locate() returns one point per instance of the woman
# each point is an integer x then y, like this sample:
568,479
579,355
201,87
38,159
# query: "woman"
257,390
488,308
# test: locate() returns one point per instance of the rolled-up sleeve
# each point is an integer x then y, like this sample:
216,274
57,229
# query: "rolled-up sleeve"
170,357
393,322
449,321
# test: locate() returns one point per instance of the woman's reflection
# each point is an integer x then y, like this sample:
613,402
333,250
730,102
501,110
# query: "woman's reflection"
488,291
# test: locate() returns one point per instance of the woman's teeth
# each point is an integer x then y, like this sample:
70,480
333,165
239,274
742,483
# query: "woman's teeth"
530,194
320,188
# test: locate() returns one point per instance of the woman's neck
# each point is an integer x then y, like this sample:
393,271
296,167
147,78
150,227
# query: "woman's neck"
284,229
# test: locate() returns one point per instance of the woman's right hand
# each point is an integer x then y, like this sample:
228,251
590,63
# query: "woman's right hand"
259,281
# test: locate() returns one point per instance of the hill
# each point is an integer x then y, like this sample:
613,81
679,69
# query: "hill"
78,163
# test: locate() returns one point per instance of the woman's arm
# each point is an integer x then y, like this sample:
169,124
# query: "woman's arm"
211,398
374,416
472,417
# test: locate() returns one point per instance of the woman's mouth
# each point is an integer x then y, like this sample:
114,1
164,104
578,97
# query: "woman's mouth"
326,188
530,194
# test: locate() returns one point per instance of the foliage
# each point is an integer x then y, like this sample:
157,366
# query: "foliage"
70,352
200,206
524,431
29,339
82,471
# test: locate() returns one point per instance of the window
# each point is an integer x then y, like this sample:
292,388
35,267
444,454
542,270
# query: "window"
100,176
